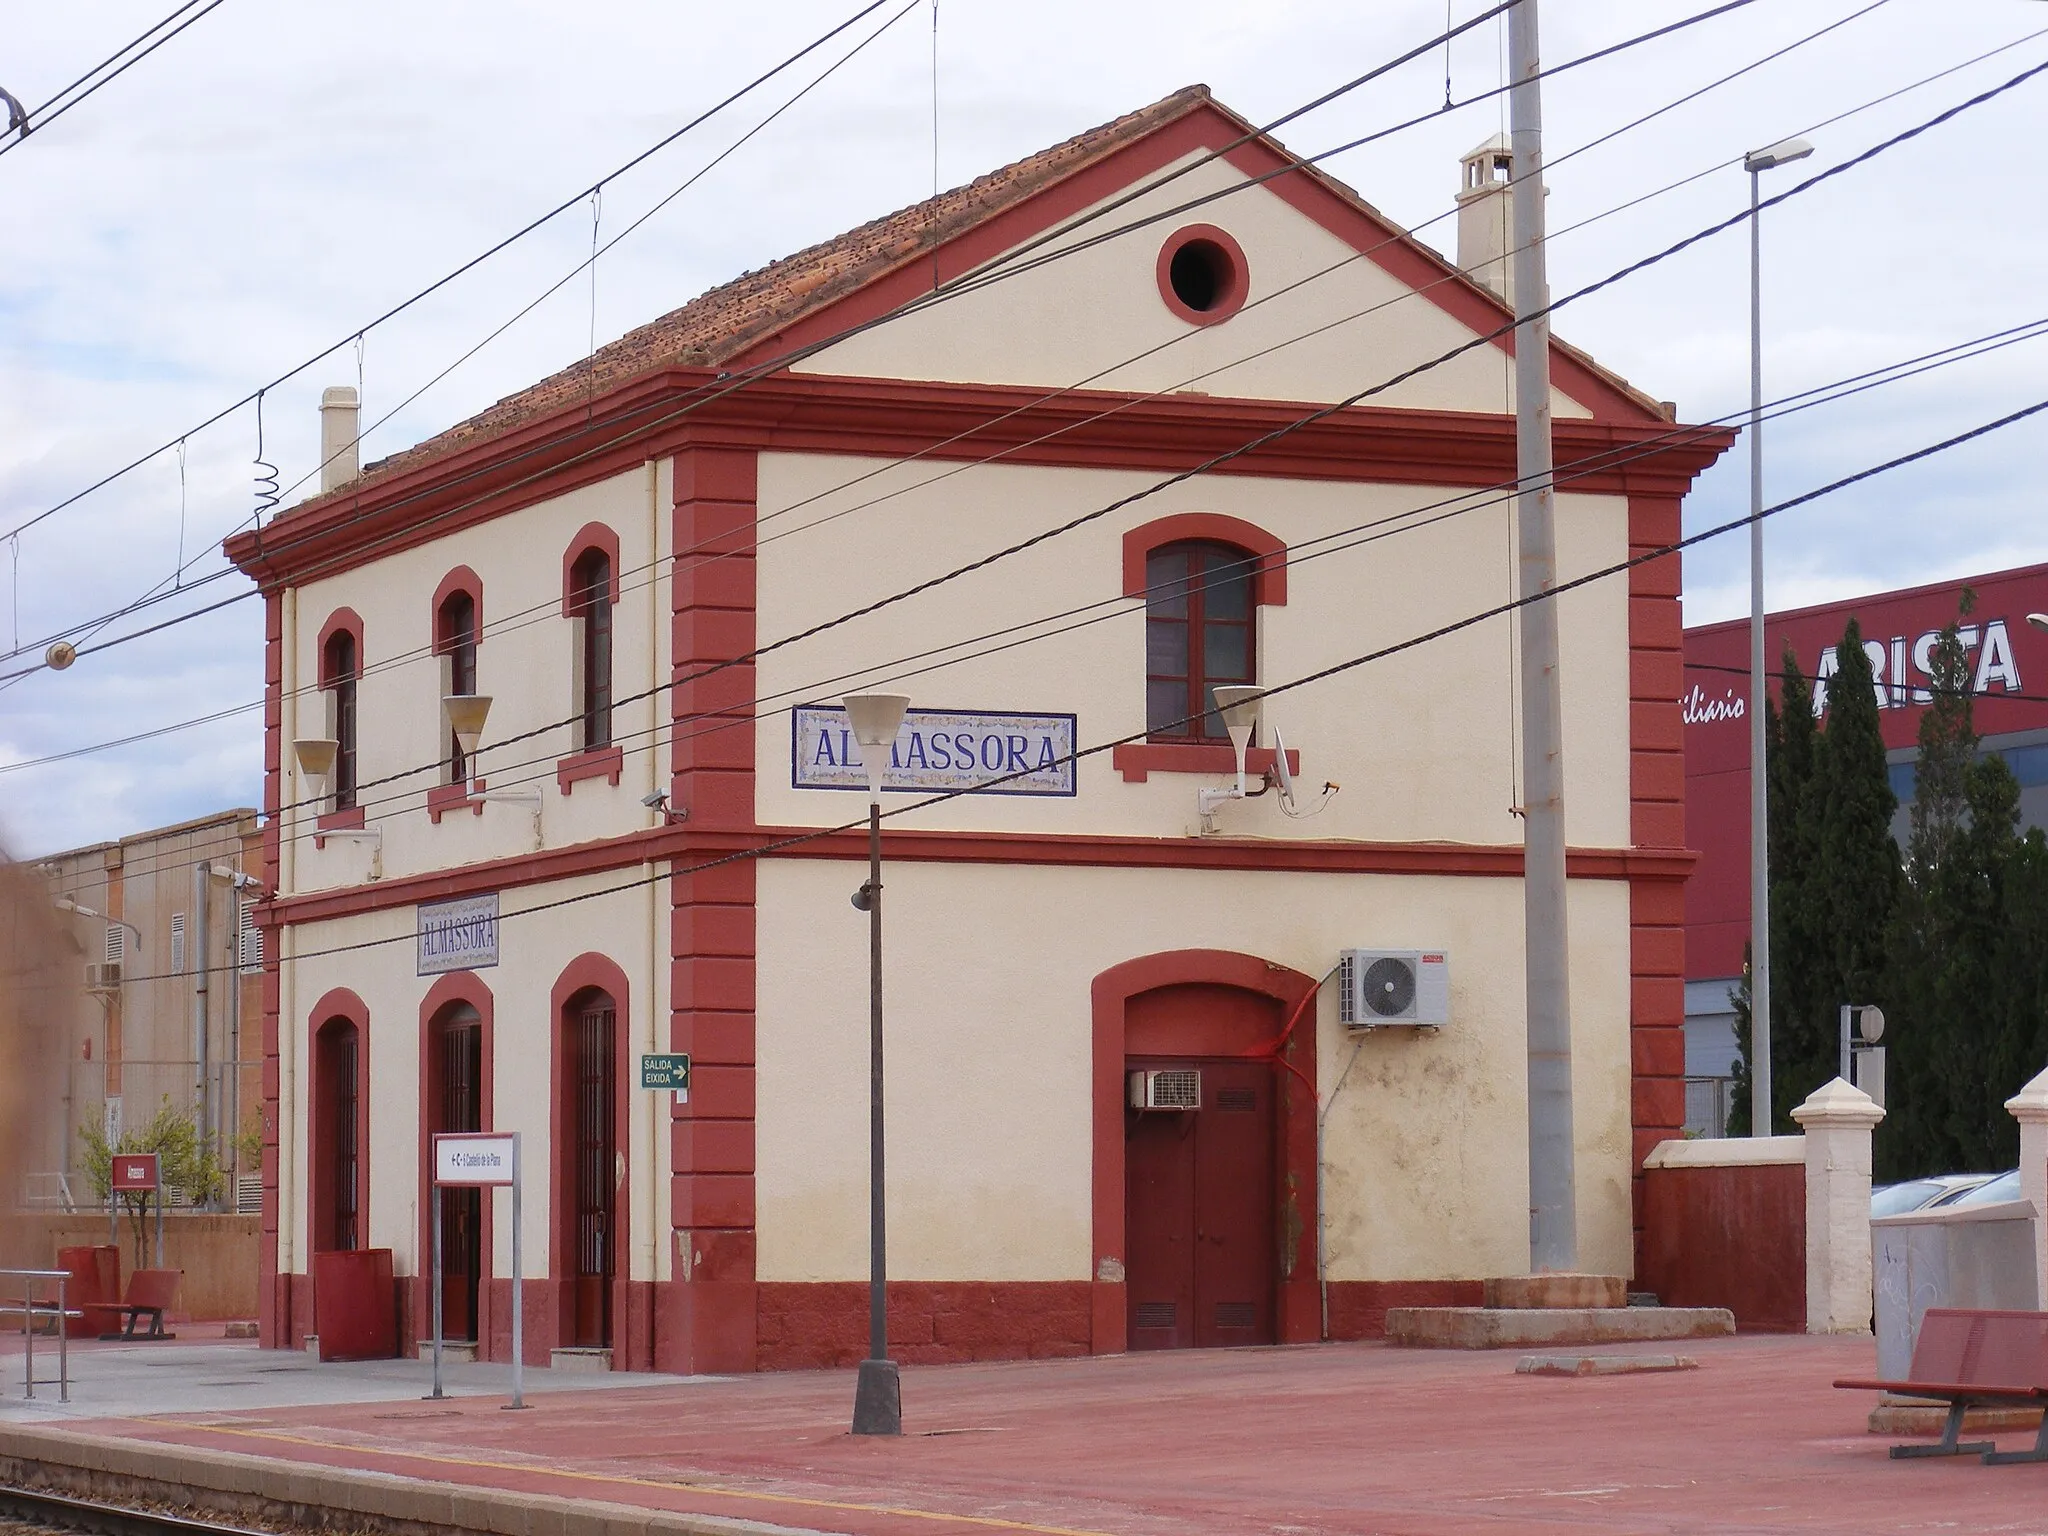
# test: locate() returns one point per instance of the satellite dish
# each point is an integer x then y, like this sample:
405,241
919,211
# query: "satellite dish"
1870,1023
1282,774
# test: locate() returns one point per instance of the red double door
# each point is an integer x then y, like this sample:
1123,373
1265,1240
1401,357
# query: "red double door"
1202,1251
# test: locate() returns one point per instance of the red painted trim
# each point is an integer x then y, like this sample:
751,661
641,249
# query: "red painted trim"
350,820
461,579
1269,580
338,1003
274,1320
444,798
606,763
1110,994
685,843
590,536
341,621
1137,760
450,990
590,972
824,1324
1358,1308
1236,275
949,422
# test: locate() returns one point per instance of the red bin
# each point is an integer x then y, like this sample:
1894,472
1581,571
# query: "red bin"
355,1307
95,1277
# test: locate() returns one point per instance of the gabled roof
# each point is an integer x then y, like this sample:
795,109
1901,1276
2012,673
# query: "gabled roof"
727,322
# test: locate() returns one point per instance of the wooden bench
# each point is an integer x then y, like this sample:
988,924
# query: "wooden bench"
1970,1359
149,1293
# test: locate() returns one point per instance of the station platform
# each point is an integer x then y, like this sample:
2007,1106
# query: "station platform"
1346,1438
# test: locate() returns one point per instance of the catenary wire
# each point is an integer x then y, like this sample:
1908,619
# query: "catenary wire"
1381,653
955,652
776,364
35,120
1043,536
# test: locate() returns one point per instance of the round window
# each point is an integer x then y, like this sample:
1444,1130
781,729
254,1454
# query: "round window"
1202,275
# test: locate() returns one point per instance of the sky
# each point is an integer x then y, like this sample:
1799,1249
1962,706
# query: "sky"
275,178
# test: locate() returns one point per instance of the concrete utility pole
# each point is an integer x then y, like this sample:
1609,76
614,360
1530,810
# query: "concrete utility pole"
1553,1222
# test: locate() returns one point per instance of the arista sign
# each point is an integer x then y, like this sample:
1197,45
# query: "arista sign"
2008,672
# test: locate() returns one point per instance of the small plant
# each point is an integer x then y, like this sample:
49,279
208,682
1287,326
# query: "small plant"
188,1165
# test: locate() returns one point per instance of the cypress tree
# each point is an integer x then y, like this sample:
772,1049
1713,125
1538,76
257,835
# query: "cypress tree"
1852,881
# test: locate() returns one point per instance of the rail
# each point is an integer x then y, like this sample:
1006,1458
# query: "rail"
34,1310
33,1505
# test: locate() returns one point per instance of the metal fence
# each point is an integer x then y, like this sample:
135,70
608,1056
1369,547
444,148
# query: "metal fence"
1707,1101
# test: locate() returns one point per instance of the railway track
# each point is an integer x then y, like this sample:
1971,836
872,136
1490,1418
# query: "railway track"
62,1512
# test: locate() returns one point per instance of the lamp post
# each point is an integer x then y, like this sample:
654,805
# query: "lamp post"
66,904
878,1395
1756,162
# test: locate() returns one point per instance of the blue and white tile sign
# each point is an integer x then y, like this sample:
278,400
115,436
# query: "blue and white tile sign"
459,935
939,749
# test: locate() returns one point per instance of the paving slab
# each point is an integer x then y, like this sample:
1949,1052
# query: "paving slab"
1535,1327
1318,1439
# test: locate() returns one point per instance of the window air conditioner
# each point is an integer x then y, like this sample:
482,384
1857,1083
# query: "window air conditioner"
1406,987
1167,1088
102,975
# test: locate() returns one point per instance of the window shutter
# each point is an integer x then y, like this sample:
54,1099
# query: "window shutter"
117,945
251,940
178,943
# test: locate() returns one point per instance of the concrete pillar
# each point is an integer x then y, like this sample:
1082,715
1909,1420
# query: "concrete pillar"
1837,1120
2030,1107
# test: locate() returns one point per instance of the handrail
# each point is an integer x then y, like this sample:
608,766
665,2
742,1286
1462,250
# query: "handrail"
31,1309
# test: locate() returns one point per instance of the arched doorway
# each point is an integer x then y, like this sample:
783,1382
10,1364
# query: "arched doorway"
590,1174
454,1048
1204,1215
339,1113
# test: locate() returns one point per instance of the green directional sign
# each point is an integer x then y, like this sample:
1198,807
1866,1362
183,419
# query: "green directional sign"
666,1071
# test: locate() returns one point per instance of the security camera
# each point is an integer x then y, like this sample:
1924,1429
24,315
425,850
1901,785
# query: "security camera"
658,801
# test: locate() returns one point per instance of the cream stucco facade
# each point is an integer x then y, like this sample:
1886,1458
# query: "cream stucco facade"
797,500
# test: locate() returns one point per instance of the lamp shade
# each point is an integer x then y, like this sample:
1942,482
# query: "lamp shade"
1239,707
466,714
1784,152
876,718
315,755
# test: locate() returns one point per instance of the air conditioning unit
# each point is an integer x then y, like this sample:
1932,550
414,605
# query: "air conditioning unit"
102,975
1410,988
1167,1088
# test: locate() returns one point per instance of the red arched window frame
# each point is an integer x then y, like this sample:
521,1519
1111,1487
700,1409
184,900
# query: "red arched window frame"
458,627
1265,556
340,1132
341,669
590,599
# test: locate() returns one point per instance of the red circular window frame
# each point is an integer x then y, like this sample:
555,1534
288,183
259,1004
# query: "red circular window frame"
1230,300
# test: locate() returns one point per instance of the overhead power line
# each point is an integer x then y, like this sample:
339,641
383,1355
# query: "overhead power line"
1307,680
107,70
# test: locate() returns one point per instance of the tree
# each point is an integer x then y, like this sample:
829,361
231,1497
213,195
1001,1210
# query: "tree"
188,1165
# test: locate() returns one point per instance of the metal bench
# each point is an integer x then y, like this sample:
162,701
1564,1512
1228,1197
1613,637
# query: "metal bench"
1970,1359
149,1293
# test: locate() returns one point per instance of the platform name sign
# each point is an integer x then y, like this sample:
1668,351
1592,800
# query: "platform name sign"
134,1172
473,1159
460,935
977,752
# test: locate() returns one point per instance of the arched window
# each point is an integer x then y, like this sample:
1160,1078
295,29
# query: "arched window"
340,666
455,635
590,607
1199,632
337,1214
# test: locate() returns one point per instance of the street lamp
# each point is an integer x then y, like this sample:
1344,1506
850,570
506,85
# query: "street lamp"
1756,162
66,904
878,1395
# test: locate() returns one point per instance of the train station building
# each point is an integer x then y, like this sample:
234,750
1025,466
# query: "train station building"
1105,469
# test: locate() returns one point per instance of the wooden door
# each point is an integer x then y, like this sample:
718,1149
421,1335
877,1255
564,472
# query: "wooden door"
461,1210
596,1027
1202,1253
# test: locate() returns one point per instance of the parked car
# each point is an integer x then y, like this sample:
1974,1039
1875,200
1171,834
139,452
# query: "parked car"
1991,1192
1918,1194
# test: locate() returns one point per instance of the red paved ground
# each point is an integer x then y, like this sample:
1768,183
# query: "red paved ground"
1337,1438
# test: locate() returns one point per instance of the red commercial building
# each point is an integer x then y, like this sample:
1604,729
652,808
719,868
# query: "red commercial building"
2009,676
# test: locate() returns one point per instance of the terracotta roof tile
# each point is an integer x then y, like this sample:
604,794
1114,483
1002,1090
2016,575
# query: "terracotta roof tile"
719,325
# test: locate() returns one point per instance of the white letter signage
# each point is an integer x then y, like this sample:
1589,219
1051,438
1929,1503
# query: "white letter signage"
473,1158
983,752
460,935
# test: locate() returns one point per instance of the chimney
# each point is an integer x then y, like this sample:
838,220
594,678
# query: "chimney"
1483,219
340,454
